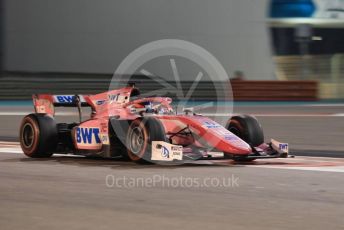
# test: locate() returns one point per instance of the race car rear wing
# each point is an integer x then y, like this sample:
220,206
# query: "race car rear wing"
46,103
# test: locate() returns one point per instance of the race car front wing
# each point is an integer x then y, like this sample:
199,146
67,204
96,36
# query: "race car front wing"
163,151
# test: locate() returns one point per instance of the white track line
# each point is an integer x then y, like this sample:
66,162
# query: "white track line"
338,115
17,150
10,147
323,105
339,169
11,150
279,115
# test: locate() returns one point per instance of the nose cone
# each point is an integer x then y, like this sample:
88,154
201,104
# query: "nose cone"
235,145
226,141
214,135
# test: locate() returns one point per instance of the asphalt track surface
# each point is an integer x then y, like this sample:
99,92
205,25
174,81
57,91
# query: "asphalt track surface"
66,192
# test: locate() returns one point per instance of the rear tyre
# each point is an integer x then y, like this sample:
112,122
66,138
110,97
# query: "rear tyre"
248,129
139,139
38,135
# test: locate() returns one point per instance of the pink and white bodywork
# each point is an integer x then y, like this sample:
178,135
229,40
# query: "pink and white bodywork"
189,132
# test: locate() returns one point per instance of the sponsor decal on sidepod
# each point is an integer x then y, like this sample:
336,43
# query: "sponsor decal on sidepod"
87,135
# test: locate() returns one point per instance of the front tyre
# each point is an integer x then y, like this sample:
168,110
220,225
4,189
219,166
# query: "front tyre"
249,130
139,139
38,135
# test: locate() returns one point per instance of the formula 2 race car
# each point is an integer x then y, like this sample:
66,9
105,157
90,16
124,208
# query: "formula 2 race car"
124,125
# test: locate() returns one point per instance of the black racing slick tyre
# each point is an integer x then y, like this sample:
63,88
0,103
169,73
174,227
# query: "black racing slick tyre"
248,129
38,135
139,139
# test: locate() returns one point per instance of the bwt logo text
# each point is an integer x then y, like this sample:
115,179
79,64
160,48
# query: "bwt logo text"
65,99
85,135
283,146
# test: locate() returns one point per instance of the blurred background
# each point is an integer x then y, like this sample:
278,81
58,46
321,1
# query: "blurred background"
284,58
74,46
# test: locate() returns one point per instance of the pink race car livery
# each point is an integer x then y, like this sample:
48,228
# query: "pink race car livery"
123,125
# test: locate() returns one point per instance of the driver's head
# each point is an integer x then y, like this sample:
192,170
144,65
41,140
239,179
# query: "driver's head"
143,104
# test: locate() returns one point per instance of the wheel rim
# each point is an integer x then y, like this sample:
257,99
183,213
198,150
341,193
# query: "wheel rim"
28,135
136,140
